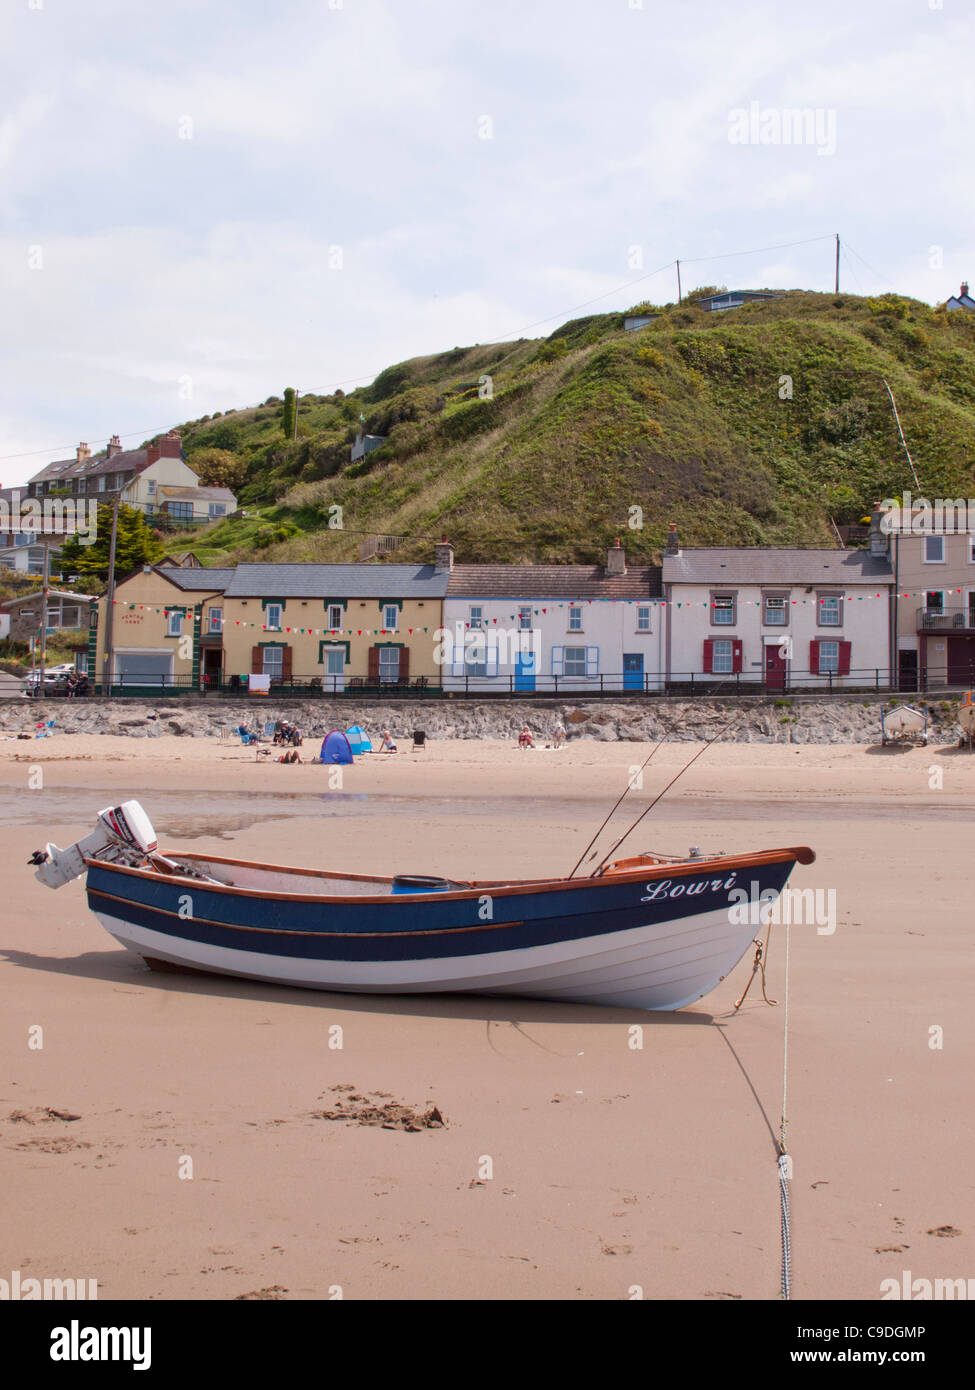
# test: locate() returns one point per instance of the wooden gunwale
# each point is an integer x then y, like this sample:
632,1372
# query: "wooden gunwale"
728,864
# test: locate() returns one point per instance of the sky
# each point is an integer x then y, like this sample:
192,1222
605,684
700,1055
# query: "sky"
202,202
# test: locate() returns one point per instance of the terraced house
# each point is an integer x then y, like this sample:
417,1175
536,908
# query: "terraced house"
301,626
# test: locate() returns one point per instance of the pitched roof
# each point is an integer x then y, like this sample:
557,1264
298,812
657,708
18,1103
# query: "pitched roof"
337,581
51,593
552,581
125,461
757,565
195,577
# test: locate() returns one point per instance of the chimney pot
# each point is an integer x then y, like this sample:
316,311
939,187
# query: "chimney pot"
616,558
964,288
443,556
673,540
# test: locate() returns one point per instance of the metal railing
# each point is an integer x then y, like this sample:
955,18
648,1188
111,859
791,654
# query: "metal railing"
945,619
620,685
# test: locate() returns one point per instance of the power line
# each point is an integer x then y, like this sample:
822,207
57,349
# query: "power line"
759,250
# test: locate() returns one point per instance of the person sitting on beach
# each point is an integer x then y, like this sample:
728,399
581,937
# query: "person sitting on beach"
71,688
525,738
294,736
290,757
558,735
82,687
388,746
281,731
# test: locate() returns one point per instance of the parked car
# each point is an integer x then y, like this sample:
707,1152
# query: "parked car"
55,679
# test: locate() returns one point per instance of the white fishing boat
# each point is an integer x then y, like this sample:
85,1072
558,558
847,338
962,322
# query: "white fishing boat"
903,724
646,932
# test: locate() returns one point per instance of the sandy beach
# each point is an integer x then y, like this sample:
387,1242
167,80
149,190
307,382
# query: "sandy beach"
612,1168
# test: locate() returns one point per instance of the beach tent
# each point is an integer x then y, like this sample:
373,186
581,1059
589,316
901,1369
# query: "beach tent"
336,748
358,739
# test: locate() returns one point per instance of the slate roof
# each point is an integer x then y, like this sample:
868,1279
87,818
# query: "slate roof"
127,461
337,581
196,578
51,593
745,565
552,581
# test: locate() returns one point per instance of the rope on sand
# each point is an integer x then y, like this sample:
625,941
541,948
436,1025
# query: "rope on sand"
783,1162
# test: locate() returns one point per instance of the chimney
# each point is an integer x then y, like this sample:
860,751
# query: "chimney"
673,541
443,556
616,558
114,446
879,539
83,453
168,446
964,289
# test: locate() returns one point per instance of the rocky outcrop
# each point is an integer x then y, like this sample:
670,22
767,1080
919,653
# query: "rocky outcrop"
850,720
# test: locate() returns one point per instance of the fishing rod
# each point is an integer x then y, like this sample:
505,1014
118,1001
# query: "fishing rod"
613,848
626,790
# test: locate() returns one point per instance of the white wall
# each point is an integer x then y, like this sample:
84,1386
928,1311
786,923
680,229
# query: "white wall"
608,629
865,625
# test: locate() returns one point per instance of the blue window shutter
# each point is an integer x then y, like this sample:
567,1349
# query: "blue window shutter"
558,660
592,661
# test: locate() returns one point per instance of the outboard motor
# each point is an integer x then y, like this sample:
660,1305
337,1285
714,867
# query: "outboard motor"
124,835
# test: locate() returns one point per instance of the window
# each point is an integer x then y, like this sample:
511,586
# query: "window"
525,619
273,660
391,618
82,484
723,609
971,550
776,611
335,616
475,657
101,482
476,615
830,610
934,600
272,617
575,619
575,661
723,658
181,511
175,628
643,618
829,658
215,620
934,550
151,486
217,509
388,664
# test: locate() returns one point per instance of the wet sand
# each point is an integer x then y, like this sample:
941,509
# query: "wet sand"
611,1167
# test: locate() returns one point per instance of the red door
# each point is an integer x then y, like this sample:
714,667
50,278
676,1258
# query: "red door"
775,668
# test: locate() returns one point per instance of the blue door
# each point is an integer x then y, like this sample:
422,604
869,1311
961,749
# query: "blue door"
632,670
525,672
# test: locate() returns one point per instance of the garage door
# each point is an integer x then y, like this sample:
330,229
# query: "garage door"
143,668
961,661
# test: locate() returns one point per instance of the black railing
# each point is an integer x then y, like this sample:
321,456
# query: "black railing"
690,684
945,619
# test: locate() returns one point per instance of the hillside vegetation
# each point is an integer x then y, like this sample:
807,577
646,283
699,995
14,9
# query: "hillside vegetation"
750,427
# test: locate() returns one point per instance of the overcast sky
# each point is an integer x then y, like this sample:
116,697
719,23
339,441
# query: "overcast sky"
204,202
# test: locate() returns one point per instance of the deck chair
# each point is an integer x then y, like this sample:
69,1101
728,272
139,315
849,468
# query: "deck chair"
270,728
419,739
246,737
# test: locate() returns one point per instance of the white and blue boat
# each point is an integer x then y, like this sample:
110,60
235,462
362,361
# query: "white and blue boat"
646,932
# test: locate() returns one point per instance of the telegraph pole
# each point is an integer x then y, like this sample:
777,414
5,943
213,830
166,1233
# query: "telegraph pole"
110,605
45,587
294,432
836,285
678,282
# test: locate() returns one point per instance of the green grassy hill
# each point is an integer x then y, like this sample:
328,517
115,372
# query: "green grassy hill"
688,418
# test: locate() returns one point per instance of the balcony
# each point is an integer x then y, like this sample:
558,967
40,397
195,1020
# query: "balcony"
946,620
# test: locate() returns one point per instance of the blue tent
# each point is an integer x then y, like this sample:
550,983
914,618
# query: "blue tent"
358,739
336,748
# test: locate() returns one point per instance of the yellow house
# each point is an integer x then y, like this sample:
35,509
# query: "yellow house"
298,626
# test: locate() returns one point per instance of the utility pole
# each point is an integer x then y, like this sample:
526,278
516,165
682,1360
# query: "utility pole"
110,605
678,283
836,284
45,586
294,432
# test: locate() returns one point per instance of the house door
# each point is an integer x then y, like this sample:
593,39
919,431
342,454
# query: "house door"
632,670
212,665
961,661
775,668
333,663
525,671
907,670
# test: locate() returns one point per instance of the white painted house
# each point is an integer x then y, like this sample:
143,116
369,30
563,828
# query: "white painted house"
553,628
784,618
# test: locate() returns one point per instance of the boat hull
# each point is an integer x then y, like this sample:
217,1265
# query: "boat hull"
658,940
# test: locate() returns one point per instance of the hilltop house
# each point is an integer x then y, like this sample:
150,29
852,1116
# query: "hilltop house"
581,628
961,300
157,480
785,618
732,299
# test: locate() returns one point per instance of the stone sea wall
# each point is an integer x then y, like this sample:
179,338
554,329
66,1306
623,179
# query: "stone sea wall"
852,720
